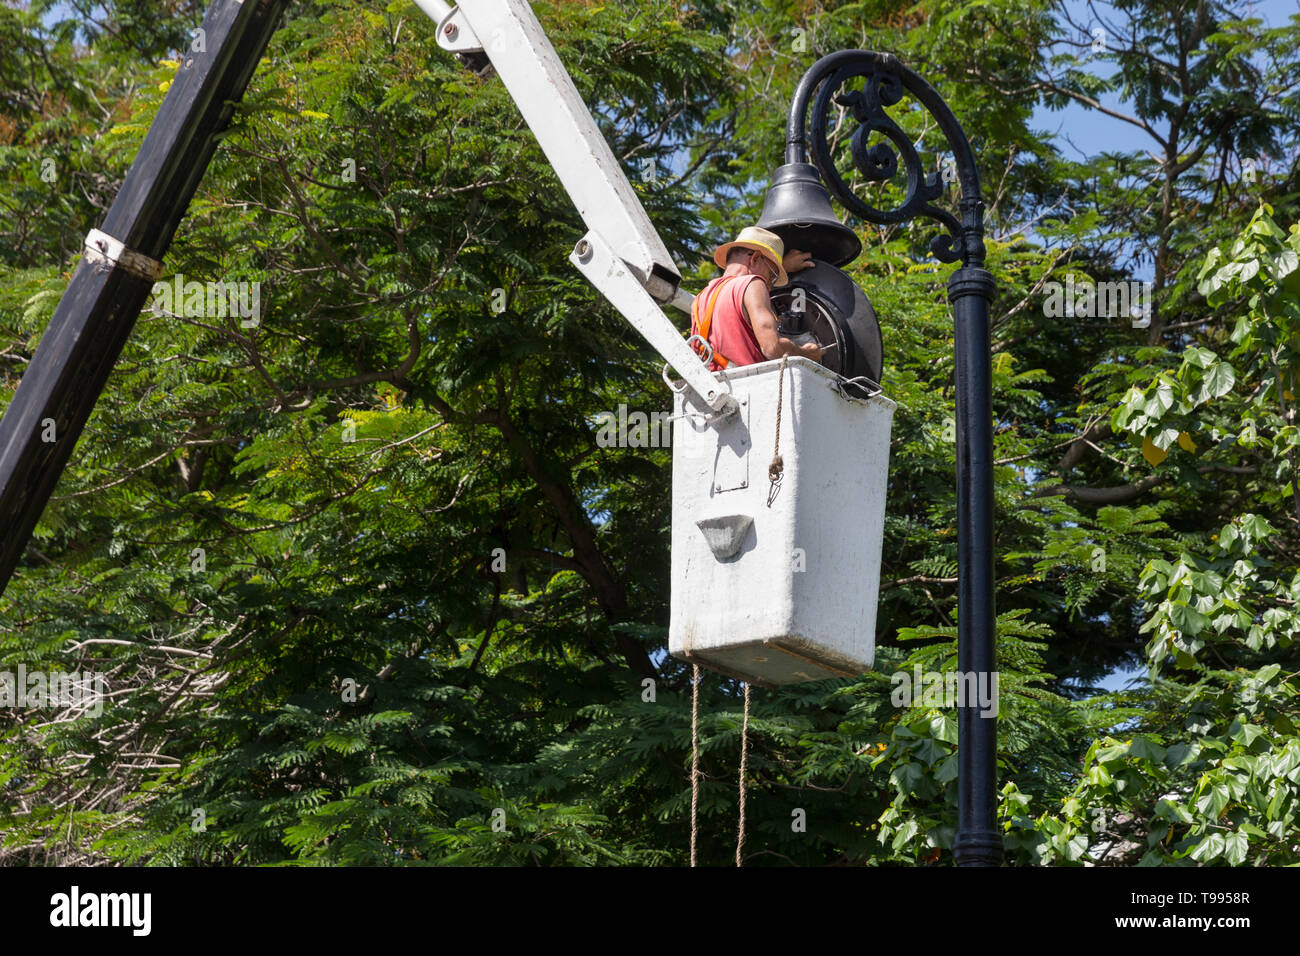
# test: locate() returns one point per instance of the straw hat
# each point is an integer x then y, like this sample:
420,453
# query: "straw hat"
760,240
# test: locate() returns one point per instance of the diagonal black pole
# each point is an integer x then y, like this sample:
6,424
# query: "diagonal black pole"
91,324
970,289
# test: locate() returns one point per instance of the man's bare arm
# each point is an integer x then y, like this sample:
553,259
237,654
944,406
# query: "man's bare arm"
758,309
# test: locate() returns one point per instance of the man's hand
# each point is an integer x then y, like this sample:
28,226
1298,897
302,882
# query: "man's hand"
796,261
811,350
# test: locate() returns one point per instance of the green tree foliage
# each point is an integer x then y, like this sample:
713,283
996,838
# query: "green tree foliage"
367,590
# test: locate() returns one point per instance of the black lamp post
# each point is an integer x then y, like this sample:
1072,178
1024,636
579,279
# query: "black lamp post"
798,209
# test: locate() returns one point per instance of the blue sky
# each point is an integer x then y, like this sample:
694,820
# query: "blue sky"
1081,132
1091,132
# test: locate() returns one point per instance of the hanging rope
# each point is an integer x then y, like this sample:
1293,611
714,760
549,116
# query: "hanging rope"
695,754
695,767
777,469
744,759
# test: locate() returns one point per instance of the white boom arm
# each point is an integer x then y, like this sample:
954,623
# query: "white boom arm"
620,231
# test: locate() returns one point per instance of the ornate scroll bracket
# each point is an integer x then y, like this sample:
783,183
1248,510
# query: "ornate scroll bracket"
886,80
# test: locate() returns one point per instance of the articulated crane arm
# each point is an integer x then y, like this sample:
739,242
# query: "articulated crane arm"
621,255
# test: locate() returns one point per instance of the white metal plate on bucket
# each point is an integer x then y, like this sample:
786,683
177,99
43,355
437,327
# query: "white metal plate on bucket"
734,444
788,593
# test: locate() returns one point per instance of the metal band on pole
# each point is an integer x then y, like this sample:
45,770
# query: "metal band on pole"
101,248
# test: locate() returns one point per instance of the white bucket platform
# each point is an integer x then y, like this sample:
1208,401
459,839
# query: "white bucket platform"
787,593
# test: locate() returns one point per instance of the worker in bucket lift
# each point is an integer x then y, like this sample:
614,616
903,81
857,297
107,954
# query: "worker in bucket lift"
734,313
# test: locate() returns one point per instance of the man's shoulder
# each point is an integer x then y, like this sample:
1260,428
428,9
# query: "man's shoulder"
725,286
752,294
753,286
